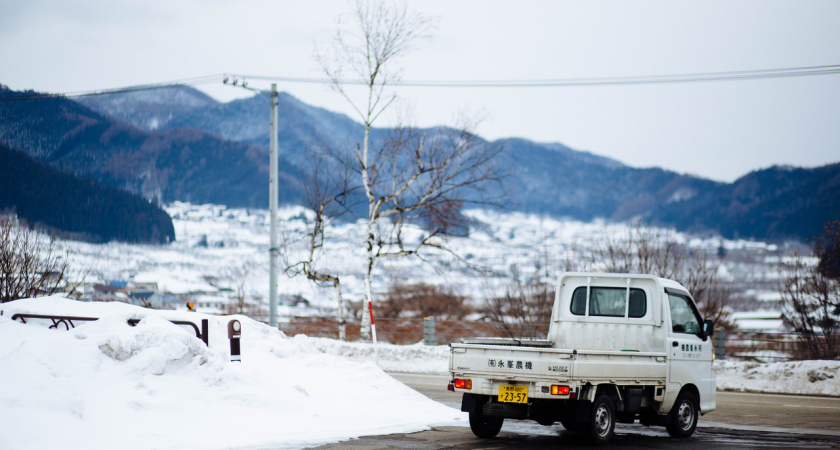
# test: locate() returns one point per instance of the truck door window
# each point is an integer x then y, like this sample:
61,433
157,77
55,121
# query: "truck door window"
609,302
684,316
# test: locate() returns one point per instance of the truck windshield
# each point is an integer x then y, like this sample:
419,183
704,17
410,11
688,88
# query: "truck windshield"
684,316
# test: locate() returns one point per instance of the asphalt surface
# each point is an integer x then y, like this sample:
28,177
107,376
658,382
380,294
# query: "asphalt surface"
741,420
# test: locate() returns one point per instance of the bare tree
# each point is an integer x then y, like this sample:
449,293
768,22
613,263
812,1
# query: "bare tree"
648,250
642,250
406,176
30,263
524,310
422,300
326,192
237,278
811,296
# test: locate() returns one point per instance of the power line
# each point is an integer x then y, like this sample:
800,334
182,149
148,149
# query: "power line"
194,81
789,72
602,81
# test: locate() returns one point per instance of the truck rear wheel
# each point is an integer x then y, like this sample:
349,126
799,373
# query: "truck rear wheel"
602,420
483,426
683,420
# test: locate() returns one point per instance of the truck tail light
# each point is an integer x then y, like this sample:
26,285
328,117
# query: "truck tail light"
559,390
463,384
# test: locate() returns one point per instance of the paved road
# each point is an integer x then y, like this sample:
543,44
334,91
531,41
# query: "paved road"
740,421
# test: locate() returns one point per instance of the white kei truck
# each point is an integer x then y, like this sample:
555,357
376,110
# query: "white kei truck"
620,348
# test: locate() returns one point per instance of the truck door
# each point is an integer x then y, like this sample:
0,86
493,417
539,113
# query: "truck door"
690,357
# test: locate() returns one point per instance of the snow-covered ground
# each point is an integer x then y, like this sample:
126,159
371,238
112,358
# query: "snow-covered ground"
105,384
796,377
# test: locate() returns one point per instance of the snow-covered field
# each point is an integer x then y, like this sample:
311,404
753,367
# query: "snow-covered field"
105,384
219,248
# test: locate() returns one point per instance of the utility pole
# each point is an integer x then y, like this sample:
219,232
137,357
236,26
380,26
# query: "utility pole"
272,204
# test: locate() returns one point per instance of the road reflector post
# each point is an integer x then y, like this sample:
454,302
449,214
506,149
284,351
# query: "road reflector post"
234,333
205,331
429,331
719,341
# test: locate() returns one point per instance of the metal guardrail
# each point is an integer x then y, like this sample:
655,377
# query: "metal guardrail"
406,331
134,322
754,346
769,347
67,321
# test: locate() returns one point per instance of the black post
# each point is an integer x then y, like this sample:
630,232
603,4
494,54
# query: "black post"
234,332
205,329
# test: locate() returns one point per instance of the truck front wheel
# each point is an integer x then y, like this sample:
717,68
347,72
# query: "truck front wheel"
602,420
683,418
483,426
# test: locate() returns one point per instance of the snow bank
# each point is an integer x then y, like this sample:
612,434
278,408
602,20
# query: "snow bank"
798,377
105,384
416,358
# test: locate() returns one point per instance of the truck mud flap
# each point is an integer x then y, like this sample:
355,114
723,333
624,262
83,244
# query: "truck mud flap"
506,410
583,411
469,402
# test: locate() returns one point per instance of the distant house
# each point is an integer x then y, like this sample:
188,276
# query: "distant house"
106,293
211,304
142,294
146,299
146,286
765,321
293,300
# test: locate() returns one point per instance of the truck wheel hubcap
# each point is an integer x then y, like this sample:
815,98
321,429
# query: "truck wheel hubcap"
685,415
602,420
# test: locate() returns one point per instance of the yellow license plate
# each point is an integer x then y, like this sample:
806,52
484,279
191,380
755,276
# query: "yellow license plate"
513,394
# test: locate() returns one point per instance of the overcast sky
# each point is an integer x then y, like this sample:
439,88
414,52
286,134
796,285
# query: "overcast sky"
719,130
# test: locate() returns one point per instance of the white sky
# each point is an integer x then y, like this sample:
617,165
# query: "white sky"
719,130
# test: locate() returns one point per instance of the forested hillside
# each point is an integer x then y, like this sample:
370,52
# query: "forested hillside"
79,208
773,203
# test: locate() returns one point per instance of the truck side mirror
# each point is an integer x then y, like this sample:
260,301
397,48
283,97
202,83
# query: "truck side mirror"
708,329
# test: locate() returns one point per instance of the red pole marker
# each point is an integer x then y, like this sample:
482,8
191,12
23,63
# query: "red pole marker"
373,332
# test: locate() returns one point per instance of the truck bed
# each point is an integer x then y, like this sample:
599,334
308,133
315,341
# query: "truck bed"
504,359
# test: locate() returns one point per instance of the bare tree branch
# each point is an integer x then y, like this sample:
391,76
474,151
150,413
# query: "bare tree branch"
30,263
405,175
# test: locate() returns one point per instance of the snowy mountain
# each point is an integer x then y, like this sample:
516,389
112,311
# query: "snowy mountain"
546,178
150,109
180,164
182,145
553,179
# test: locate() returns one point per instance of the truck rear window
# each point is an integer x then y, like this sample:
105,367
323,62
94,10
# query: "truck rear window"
609,302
